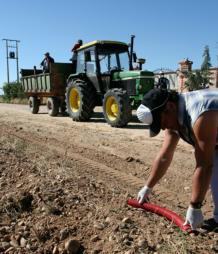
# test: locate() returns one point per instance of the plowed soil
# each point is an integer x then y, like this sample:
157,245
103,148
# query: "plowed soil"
62,180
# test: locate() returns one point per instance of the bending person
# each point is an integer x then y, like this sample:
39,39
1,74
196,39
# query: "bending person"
193,117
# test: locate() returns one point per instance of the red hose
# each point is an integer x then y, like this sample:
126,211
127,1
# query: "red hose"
170,215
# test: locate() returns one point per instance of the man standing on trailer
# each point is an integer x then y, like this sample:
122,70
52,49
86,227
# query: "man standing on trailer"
46,62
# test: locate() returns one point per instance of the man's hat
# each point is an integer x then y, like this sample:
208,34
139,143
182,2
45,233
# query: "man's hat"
149,112
47,54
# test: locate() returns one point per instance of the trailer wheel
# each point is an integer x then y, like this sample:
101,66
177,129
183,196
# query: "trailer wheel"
34,104
117,108
80,100
53,106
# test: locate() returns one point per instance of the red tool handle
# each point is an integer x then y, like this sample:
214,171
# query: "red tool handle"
168,214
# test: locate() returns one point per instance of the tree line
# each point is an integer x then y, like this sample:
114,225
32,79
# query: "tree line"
12,90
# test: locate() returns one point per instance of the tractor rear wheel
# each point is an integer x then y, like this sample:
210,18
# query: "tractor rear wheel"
80,100
52,106
34,104
117,108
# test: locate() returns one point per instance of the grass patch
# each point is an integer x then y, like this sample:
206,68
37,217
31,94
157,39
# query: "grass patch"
14,101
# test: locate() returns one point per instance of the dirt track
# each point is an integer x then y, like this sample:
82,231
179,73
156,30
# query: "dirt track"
79,176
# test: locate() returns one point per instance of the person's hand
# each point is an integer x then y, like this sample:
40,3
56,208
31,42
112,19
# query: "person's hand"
143,194
194,217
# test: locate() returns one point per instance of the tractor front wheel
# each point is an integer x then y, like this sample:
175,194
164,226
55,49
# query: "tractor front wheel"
80,100
117,108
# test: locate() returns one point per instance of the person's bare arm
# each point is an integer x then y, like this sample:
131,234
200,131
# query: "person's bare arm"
205,131
164,158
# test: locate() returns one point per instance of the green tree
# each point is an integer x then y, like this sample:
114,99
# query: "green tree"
13,90
200,78
205,67
206,59
196,81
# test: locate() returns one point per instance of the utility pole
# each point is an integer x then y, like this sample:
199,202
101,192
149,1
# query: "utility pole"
12,55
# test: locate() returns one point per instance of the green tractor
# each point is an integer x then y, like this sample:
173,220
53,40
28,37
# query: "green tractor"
104,76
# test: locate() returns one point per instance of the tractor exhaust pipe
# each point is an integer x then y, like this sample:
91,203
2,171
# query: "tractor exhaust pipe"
131,52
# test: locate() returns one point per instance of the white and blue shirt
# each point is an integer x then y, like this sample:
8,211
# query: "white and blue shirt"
191,106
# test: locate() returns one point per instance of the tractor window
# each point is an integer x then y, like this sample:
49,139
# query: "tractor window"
113,62
103,60
80,62
91,65
124,61
108,62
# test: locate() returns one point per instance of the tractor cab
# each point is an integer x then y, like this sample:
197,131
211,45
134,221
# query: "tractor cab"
98,60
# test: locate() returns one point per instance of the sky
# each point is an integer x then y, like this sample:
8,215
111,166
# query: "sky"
166,31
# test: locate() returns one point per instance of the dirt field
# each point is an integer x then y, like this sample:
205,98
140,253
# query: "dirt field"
64,187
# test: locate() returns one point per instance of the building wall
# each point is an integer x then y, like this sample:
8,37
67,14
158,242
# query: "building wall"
175,79
214,77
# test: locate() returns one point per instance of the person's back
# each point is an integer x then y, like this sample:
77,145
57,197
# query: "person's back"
163,83
46,62
191,106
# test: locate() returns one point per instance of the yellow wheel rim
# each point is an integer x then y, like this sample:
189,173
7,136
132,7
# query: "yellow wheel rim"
112,108
74,99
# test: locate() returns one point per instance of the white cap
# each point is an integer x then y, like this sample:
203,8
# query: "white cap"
144,114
